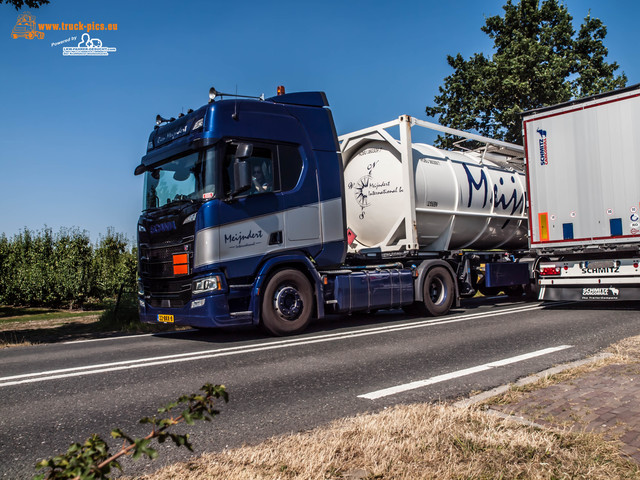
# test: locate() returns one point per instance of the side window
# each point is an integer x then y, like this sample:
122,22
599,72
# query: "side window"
261,166
290,166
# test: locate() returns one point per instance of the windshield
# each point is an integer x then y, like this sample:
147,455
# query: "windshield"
185,179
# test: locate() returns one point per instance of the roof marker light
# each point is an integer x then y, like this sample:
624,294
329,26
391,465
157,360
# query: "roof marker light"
280,90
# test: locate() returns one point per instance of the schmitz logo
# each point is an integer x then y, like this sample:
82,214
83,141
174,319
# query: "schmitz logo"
600,293
542,142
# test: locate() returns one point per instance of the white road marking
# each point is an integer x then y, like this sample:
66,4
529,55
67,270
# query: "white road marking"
460,373
128,337
227,351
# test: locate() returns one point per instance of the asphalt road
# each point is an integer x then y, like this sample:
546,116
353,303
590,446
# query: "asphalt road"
52,395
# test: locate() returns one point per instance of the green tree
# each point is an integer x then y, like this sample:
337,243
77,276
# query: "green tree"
18,4
538,61
40,268
72,268
114,265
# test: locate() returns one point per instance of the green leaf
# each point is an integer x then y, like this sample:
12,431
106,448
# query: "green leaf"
537,60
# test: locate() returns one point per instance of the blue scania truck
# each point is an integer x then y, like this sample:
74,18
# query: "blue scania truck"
245,219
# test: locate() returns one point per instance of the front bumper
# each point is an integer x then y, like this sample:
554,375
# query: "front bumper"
204,311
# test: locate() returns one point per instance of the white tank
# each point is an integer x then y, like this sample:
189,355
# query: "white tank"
460,201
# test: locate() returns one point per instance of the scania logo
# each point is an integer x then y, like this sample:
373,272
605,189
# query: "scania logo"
163,227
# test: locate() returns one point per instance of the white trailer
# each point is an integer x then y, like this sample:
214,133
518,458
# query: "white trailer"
583,174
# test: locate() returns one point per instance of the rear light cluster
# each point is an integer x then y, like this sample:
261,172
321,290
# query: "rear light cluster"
548,271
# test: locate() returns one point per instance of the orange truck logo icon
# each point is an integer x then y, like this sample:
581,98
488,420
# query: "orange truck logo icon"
26,27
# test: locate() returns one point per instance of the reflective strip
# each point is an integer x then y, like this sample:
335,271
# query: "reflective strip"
543,221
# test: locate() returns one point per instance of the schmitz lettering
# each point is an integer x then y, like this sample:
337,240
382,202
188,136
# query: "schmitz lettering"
601,270
600,293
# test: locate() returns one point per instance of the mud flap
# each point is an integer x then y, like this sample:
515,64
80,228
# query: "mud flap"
589,293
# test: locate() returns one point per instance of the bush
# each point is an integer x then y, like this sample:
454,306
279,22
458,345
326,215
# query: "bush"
122,315
93,460
38,268
114,265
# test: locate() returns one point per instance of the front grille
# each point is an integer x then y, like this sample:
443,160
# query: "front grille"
162,287
168,293
157,261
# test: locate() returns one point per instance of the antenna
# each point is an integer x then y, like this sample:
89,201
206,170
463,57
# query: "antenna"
235,107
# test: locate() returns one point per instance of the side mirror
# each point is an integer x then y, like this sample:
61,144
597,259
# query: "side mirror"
244,150
241,174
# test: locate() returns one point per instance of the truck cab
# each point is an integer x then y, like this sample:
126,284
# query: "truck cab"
236,193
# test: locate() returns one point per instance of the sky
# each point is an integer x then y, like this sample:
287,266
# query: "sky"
73,128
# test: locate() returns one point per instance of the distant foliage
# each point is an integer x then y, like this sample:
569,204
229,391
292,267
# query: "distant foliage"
539,60
18,4
40,268
114,265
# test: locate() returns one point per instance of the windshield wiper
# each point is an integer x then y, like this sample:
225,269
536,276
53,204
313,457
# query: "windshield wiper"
184,199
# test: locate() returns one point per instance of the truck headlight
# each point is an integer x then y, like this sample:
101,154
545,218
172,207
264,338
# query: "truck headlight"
140,288
207,284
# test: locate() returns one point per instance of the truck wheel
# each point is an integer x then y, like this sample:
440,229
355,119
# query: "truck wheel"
438,291
532,290
514,291
287,303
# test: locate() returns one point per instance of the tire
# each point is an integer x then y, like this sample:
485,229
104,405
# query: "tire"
287,303
532,290
515,291
438,292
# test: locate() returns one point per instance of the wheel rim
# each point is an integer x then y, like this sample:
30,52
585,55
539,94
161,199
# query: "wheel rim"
287,302
437,291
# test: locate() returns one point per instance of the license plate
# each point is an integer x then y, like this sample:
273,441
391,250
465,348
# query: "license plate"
165,318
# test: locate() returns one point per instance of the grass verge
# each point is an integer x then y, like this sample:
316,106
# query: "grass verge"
416,442
431,441
22,326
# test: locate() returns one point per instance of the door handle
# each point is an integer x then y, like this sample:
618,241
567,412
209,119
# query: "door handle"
275,238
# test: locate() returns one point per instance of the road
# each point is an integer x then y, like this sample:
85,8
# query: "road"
52,395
